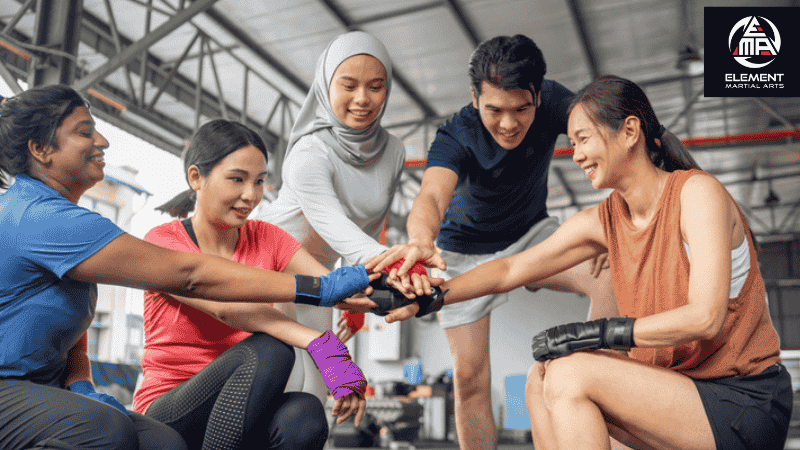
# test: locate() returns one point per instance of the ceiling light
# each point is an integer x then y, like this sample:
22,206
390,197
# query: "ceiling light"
772,198
687,54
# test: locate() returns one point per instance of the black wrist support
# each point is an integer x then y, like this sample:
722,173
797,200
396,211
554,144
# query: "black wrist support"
307,290
430,303
619,333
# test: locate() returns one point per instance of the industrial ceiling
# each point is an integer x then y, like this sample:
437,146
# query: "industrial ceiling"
159,68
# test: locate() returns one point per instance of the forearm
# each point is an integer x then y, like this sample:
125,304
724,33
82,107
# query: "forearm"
424,221
489,278
523,269
256,318
223,280
127,261
79,367
674,327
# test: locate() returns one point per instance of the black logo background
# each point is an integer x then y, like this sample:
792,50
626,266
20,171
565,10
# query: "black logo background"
719,21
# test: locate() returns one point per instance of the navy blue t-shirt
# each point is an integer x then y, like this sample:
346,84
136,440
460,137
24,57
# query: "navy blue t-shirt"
43,313
500,193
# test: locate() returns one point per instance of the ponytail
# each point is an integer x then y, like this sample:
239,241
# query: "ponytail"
668,152
181,205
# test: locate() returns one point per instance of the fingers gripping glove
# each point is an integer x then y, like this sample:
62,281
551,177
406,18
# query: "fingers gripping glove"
386,297
417,268
86,389
355,321
562,340
341,374
332,288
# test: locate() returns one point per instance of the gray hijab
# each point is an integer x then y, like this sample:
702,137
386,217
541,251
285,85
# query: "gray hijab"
356,147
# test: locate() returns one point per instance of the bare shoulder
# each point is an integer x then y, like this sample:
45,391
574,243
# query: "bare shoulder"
703,188
704,193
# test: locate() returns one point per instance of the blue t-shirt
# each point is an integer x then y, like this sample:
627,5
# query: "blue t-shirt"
43,313
500,193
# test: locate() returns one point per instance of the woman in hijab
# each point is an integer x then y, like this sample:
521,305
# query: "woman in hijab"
340,174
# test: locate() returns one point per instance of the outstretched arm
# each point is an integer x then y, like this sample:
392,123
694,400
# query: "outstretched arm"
578,239
128,261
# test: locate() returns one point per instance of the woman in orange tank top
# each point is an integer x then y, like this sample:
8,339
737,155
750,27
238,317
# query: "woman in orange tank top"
693,364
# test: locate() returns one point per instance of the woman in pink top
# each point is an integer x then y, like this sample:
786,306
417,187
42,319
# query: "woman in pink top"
217,372
694,363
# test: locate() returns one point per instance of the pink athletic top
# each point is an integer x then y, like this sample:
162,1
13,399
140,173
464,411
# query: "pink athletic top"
181,340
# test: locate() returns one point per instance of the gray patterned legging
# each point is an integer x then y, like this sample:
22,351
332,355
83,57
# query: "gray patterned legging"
237,402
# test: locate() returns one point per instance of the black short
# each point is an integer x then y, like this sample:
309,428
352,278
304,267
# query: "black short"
749,413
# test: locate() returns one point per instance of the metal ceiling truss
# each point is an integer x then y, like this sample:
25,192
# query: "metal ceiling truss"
464,22
20,56
399,13
51,55
579,19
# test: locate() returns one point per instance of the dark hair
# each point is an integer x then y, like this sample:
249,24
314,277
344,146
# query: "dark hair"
609,100
33,115
510,63
209,145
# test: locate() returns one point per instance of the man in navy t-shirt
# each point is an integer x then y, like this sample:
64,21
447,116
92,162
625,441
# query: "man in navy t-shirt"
483,195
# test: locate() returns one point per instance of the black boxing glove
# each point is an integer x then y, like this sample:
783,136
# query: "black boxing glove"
615,333
386,297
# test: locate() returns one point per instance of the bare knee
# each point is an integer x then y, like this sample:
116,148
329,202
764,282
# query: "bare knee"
472,378
566,379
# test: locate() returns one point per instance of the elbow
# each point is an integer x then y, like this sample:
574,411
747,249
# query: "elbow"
710,325
220,314
192,277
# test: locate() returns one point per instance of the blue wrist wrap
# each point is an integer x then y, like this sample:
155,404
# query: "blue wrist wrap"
332,288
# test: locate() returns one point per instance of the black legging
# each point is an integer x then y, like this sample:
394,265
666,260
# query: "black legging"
238,402
34,416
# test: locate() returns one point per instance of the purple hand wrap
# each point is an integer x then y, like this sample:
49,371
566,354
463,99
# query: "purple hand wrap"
341,374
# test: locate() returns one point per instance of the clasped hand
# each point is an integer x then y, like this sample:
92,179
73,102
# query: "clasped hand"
412,254
390,292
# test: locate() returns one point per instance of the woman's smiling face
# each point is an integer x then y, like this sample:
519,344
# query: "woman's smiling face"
74,162
597,153
358,91
232,189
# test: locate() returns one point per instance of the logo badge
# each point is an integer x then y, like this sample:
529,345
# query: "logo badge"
754,42
751,51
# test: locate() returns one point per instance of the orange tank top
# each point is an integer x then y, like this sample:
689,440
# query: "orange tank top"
650,272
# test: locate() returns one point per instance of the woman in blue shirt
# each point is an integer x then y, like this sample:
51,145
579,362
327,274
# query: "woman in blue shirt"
52,253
